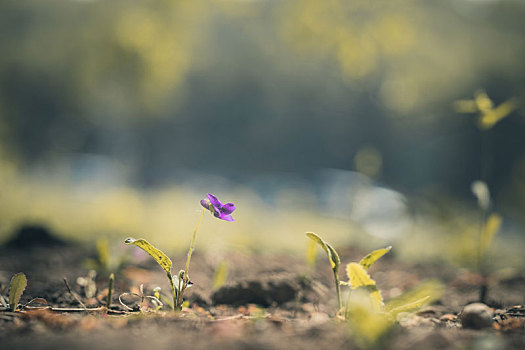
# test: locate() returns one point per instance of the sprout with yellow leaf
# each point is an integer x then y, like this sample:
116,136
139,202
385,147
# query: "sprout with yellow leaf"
484,106
490,224
365,309
489,116
334,260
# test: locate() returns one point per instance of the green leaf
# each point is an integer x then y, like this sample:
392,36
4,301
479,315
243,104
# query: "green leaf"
371,258
359,278
427,292
16,288
333,257
409,307
155,253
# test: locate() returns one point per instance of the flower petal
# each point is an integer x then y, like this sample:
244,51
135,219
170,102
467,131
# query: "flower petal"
226,217
228,208
214,200
205,203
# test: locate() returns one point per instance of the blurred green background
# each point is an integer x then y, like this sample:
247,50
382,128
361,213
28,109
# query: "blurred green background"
333,116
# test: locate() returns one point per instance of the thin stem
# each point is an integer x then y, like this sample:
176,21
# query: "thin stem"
190,252
110,290
180,288
175,297
192,245
338,289
481,257
486,166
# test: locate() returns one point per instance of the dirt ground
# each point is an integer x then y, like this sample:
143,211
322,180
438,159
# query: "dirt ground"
267,302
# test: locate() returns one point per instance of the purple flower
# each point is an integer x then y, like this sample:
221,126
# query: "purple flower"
219,210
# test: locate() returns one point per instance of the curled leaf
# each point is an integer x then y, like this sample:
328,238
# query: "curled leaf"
36,301
155,253
333,257
16,288
372,257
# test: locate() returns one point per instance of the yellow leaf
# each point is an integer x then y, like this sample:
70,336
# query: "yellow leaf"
155,253
359,278
490,117
371,258
330,252
367,324
221,274
311,253
409,307
483,101
425,293
491,228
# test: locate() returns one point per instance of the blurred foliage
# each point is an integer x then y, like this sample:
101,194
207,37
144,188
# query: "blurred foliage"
221,274
101,98
152,84
488,114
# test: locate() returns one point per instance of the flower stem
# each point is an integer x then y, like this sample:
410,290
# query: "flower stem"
190,252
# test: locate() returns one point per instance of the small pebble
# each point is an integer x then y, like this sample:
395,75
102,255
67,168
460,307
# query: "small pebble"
476,316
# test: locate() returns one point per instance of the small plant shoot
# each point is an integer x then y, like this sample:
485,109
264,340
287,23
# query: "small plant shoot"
490,224
180,282
364,308
334,260
16,289
161,258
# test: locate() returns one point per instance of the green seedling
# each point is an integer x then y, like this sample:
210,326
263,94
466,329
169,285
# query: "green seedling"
180,282
490,224
16,289
365,308
370,317
489,116
163,260
334,260
107,259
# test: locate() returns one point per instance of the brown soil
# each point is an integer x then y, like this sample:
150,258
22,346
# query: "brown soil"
269,302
